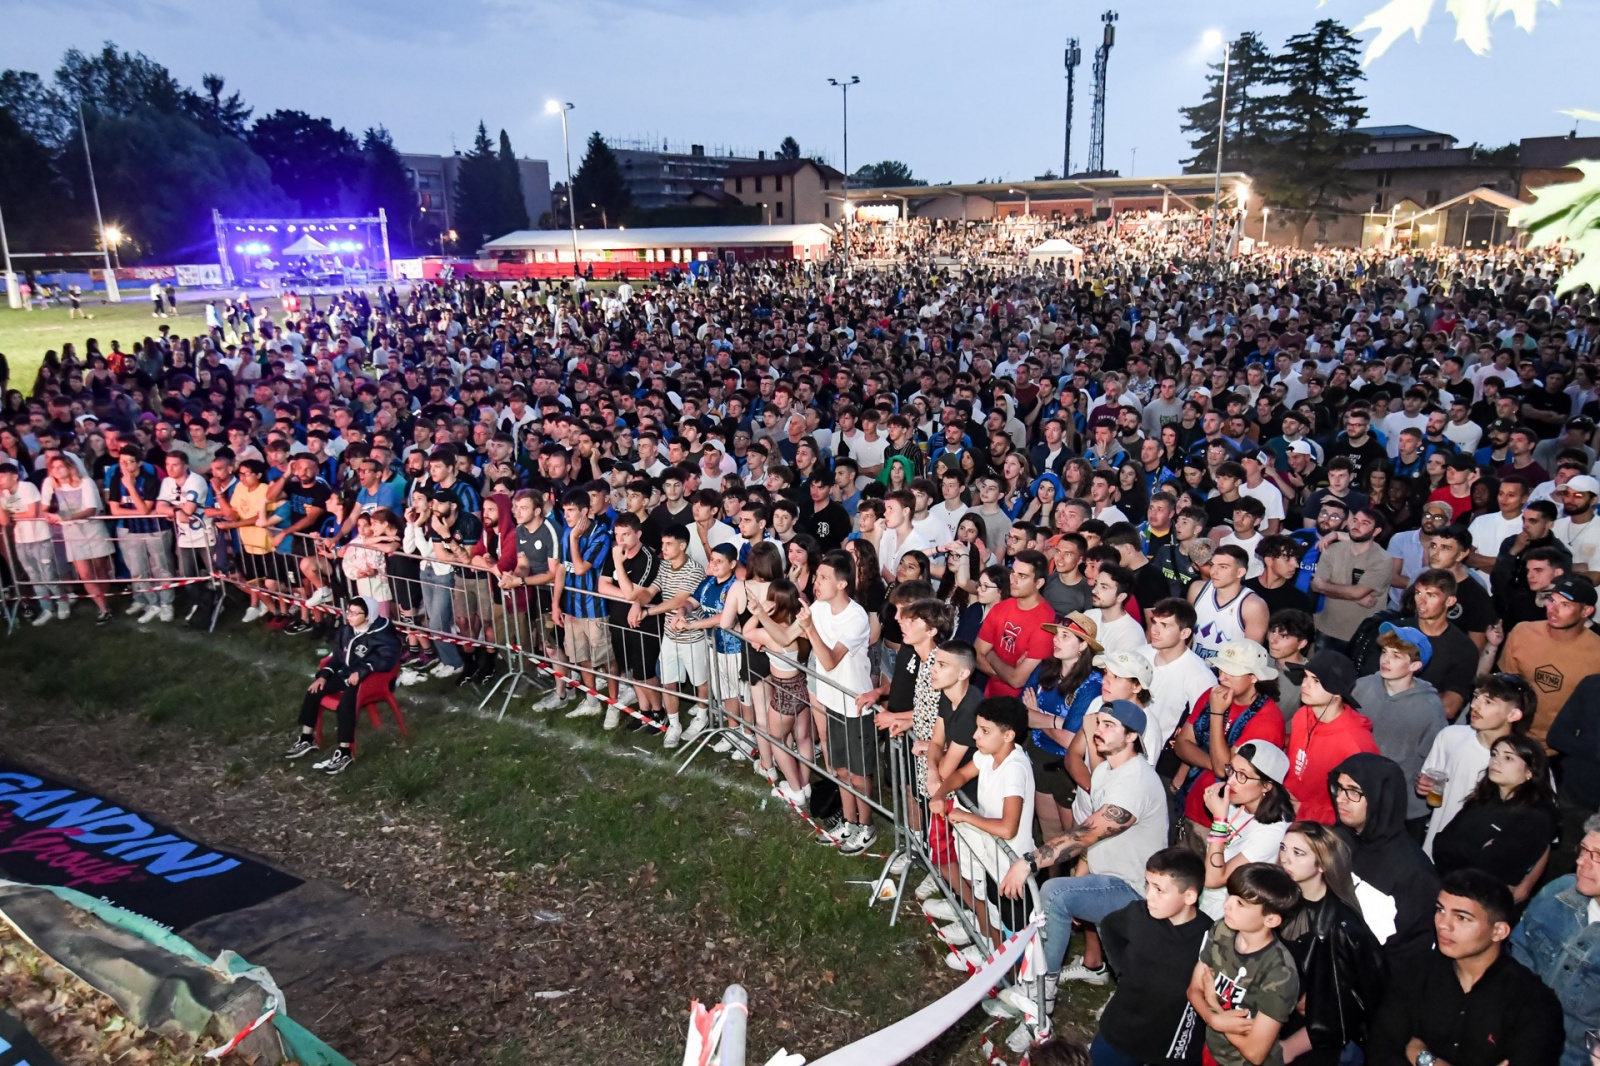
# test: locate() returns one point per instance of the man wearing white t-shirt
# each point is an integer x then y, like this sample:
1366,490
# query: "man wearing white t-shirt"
1257,487
839,632
899,535
1489,531
183,498
1578,527
866,446
1109,595
1179,676
1459,756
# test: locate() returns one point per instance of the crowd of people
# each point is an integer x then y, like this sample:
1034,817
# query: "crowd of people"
1249,606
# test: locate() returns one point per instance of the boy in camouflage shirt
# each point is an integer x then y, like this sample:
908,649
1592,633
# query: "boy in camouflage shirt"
1246,984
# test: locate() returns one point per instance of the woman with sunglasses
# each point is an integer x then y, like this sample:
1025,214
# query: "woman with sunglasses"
1250,811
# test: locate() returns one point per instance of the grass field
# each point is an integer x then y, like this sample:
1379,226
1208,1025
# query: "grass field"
26,335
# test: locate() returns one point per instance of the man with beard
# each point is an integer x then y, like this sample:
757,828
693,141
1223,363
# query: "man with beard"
1353,577
1577,528
1558,652
1409,549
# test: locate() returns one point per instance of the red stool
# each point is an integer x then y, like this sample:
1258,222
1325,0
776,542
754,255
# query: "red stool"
375,690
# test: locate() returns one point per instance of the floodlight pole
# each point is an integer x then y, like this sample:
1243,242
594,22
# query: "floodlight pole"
113,294
572,207
1222,133
844,87
13,295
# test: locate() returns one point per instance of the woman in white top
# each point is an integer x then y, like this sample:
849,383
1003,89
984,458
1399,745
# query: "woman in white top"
72,502
1250,812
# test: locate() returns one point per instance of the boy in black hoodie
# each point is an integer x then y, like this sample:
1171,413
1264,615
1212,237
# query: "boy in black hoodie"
1150,945
1399,886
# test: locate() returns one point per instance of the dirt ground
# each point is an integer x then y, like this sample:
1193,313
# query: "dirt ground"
518,969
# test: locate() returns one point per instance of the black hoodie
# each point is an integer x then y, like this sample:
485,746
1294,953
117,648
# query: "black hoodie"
1388,860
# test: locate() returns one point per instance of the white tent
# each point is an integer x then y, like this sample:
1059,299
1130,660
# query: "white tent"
1055,251
306,245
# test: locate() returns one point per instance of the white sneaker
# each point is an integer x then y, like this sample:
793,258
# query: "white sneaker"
1021,1039
1077,971
250,614
722,746
444,669
697,725
940,910
166,615
898,866
674,734
411,677
321,596
589,708
955,934
927,889
964,959
149,615
43,616
613,717
626,695
549,703
790,795
1024,996
845,836
63,608
135,609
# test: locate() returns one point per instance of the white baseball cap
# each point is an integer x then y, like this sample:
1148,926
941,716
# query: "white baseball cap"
1266,757
1128,664
1240,657
1584,483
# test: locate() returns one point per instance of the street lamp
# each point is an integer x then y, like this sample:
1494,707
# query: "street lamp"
113,237
843,85
1212,39
556,107
604,224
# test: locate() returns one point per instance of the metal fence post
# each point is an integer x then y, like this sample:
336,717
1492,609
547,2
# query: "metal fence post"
735,1025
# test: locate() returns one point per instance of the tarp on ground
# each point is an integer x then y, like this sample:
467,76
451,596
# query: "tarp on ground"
155,977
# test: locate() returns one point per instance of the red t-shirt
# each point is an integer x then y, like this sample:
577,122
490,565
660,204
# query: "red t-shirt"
1315,748
1015,635
1460,507
1266,725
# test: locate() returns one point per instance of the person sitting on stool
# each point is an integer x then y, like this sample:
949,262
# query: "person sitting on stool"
367,645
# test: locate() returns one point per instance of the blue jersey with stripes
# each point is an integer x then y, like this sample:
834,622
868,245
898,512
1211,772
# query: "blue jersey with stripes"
594,544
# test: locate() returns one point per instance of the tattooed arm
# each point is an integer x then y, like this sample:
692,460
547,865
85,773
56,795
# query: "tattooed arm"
1103,824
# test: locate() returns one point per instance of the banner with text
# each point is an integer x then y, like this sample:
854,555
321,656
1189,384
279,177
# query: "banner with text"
52,833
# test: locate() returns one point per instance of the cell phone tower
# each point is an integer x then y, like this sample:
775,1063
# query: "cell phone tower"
1097,124
1074,57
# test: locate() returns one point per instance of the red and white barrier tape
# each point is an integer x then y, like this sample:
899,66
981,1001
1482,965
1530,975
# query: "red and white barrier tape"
112,592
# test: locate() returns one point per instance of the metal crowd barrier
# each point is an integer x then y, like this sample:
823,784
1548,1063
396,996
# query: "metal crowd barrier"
52,564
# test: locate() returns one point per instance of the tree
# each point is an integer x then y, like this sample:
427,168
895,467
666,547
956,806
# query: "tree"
789,149
1312,124
479,200
385,183
1251,75
224,115
30,190
159,175
599,182
513,208
888,173
313,161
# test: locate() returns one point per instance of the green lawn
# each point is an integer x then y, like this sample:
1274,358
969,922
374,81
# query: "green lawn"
26,335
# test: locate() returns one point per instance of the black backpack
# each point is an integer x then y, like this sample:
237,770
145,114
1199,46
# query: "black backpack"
1364,644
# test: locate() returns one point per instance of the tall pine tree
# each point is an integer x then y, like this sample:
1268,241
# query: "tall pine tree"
1250,76
1313,119
478,206
513,208
599,182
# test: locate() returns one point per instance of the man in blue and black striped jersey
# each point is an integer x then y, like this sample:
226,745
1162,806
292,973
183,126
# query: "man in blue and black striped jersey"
131,491
585,544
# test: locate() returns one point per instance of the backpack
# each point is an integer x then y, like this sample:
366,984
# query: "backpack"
1364,642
